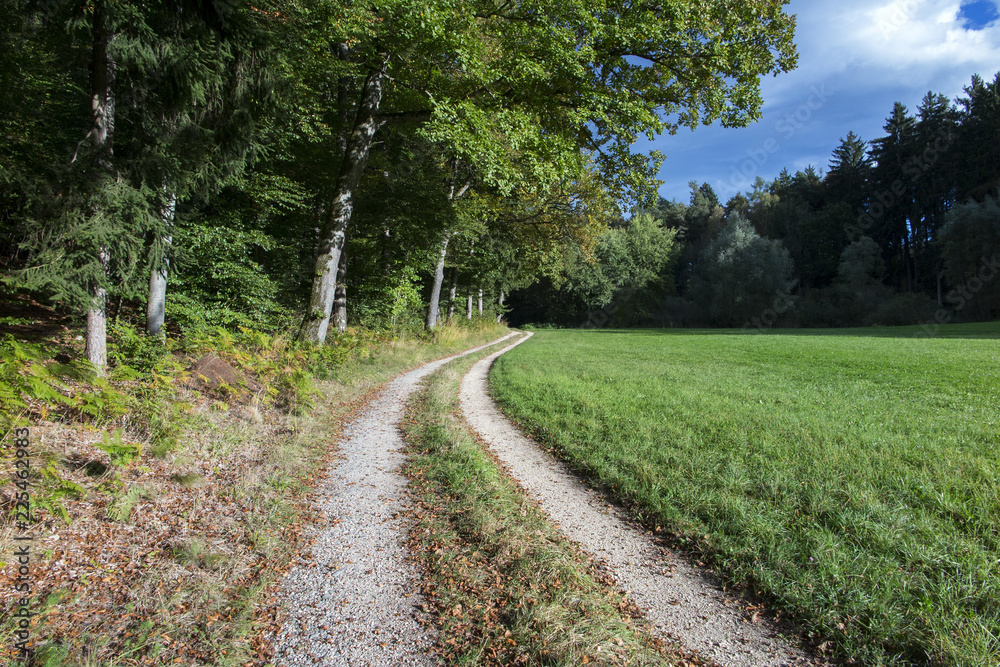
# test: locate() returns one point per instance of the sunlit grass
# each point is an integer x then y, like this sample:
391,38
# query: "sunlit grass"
852,476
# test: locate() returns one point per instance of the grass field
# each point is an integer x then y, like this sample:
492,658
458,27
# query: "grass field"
851,476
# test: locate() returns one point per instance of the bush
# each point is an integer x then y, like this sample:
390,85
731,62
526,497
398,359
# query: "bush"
903,309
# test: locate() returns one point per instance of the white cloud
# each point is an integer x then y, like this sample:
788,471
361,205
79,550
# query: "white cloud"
921,43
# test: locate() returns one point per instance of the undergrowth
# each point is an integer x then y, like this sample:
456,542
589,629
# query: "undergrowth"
165,507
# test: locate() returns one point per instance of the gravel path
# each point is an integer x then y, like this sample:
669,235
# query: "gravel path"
681,602
353,603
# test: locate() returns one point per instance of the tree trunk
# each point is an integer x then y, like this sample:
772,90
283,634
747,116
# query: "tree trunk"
366,123
452,293
102,125
468,306
97,324
480,301
156,305
340,296
434,307
500,302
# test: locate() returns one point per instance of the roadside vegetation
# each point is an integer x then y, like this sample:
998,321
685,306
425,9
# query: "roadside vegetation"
503,585
849,476
168,496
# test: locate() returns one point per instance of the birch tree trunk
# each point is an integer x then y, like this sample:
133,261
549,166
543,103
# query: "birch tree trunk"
468,306
102,125
97,324
480,301
500,303
366,123
340,296
435,304
452,293
156,305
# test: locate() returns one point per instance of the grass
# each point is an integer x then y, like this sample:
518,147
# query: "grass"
169,551
503,586
852,477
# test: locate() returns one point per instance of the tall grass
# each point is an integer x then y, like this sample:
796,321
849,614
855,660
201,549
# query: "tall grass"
854,480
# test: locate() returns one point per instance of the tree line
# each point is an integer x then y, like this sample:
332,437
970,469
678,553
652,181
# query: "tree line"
902,229
221,162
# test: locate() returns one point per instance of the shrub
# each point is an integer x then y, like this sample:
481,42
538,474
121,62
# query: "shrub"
903,309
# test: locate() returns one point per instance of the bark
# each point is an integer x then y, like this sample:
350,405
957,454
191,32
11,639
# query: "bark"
366,123
102,124
97,324
156,305
452,293
340,296
434,307
500,302
468,306
480,301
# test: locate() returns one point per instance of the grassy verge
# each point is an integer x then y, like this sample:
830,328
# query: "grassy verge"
504,587
853,479
165,514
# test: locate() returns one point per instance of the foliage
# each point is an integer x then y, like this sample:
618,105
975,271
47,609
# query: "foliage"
218,281
121,453
740,274
970,243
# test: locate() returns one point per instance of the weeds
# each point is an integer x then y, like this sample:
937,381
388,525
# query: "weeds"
505,587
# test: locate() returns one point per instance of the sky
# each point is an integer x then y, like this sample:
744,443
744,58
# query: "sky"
856,59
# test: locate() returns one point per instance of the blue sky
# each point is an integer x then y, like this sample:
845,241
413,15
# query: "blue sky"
856,58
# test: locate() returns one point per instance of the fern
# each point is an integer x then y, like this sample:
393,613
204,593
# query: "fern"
121,509
122,453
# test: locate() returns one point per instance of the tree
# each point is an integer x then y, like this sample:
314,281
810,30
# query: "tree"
970,247
850,171
544,82
892,202
979,142
154,76
740,274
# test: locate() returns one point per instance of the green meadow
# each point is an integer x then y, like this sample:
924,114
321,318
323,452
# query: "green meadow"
851,477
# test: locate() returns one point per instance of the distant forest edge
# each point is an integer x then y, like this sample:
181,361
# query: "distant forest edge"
303,165
904,229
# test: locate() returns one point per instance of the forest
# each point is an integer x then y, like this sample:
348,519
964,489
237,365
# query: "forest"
901,229
307,165
298,165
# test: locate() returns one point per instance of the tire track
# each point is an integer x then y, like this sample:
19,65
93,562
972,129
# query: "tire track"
354,602
682,603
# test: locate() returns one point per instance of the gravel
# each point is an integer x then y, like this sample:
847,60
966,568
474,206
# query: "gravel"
681,602
355,600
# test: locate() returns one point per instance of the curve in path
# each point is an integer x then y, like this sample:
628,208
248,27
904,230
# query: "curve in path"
682,603
354,602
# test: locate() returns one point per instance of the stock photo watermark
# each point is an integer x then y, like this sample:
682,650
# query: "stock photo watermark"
961,296
786,129
21,613
784,301
893,18
913,169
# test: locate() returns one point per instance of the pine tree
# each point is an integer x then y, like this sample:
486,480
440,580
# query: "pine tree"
979,144
892,201
850,171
